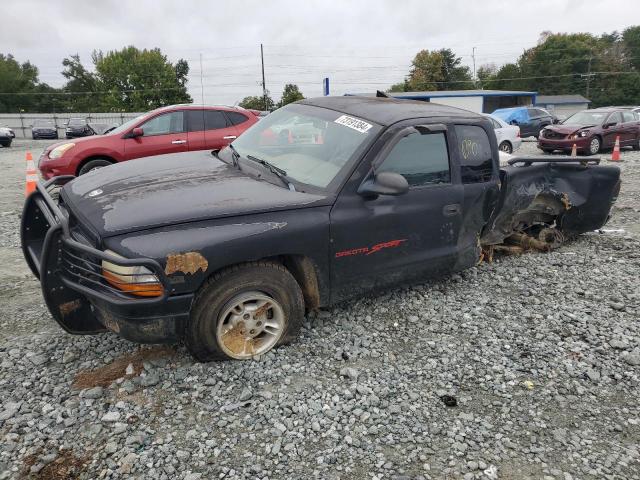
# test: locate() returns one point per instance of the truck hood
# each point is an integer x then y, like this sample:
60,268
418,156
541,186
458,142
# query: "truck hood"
169,189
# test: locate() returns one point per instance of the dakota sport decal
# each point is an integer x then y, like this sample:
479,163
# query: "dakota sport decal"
369,250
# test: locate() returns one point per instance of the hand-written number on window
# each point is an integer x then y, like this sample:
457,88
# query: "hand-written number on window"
469,148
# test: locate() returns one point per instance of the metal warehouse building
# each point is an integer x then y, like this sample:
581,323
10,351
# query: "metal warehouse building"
480,101
562,105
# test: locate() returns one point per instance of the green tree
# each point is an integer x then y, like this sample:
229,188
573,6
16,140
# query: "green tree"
436,70
20,88
400,87
258,102
139,80
631,42
290,94
82,87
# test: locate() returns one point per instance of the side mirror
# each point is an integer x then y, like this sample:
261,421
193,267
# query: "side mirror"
136,132
514,122
556,121
384,183
610,124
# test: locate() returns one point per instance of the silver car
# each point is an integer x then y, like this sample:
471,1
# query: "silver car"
508,136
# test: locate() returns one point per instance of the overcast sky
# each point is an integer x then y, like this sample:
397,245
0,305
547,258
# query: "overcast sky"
361,45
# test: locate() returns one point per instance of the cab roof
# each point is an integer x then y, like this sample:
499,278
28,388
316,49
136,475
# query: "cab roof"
387,111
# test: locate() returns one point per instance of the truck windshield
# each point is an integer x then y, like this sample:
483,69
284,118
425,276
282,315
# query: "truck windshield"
311,144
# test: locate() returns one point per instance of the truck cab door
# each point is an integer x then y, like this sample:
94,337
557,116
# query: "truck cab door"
383,240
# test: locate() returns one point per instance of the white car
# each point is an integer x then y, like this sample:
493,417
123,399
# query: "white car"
6,136
508,136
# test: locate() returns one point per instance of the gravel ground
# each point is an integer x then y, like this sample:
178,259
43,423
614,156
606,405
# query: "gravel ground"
539,352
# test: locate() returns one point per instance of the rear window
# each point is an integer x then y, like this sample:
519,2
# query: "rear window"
236,118
476,157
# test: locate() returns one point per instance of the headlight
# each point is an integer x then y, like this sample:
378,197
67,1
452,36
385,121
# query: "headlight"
583,133
60,150
136,280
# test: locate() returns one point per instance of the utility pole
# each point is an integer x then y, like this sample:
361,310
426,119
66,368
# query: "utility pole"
589,74
473,55
201,82
264,85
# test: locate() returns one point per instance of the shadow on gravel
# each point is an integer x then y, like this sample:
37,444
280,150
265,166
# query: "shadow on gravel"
65,467
126,366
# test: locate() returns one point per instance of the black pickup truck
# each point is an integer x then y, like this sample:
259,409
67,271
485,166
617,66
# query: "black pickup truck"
322,200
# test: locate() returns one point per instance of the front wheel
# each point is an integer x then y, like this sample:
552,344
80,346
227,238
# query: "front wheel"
93,165
594,146
244,311
506,147
636,144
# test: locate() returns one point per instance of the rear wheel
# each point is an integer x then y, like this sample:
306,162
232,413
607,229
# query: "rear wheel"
594,145
93,165
244,311
506,147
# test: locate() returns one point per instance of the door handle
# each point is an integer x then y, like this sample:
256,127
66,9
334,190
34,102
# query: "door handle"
178,142
230,137
451,210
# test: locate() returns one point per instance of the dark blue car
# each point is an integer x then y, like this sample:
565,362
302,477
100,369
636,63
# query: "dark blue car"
530,119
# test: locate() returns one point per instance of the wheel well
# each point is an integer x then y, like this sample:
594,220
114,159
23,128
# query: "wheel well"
93,157
505,141
303,271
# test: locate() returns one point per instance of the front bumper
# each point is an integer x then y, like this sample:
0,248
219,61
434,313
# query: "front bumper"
50,168
45,134
565,144
73,287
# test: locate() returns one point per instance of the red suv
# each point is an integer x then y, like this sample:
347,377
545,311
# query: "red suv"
177,128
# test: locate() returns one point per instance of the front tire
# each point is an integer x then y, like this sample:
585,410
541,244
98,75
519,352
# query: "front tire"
506,147
93,165
636,145
594,146
244,311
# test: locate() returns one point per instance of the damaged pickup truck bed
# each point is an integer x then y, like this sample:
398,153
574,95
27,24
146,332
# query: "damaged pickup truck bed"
323,200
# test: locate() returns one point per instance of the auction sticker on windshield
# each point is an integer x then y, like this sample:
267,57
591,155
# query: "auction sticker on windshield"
355,123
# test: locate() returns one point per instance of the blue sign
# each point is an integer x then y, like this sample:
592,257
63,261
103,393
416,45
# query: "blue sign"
325,86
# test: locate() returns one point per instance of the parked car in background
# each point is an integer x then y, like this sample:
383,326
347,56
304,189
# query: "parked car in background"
592,131
6,136
530,119
78,127
43,128
507,136
172,129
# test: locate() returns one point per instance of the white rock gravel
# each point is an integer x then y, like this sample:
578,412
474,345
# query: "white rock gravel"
541,353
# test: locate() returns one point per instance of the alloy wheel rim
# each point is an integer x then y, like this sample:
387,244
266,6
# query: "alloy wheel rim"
250,324
595,145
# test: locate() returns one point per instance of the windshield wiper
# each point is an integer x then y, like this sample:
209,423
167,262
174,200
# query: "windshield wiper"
235,156
277,171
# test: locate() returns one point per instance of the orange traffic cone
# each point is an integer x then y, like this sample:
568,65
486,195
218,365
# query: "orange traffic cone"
32,176
615,156
574,150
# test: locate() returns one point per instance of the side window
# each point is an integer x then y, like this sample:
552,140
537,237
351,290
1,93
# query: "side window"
628,117
476,157
195,120
172,122
495,123
536,113
421,159
615,118
214,119
236,118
